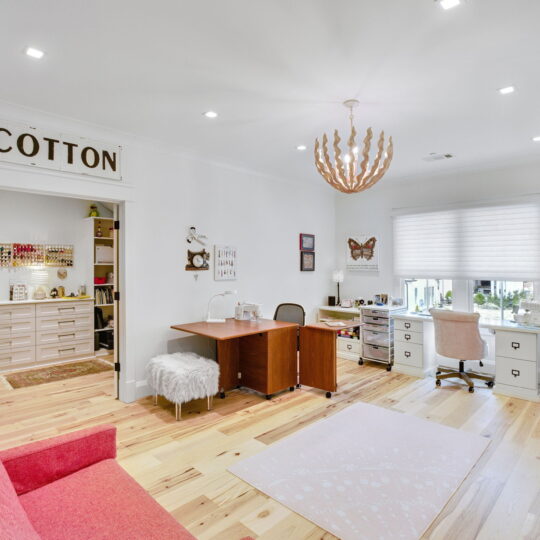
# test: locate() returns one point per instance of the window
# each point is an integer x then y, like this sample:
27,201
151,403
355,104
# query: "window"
499,300
422,294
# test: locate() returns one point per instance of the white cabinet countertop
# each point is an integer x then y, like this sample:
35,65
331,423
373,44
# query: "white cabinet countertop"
47,300
506,325
340,309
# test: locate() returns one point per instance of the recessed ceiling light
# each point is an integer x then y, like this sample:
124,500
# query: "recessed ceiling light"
449,4
34,53
301,147
506,90
210,114
536,139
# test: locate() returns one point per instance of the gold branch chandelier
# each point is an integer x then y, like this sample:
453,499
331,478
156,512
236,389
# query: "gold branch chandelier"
348,174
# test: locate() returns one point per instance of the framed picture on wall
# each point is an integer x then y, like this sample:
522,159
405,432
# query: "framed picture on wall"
307,242
307,261
363,252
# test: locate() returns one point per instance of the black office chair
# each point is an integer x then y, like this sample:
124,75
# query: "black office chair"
293,313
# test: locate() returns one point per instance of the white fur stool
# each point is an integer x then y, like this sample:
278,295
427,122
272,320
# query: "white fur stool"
181,377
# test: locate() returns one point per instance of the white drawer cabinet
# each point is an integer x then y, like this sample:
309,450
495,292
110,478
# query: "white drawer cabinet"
17,341
17,358
64,309
514,372
64,324
44,332
48,353
410,354
348,345
16,327
16,312
409,326
519,345
407,336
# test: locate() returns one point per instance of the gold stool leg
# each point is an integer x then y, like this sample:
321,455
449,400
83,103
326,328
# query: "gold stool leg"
178,410
155,399
210,399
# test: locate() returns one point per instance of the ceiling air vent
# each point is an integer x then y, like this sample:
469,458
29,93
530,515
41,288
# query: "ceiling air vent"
434,156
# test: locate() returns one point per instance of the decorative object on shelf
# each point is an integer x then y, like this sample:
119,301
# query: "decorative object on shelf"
337,277
62,273
347,303
529,313
362,253
54,293
6,251
198,260
104,254
99,232
331,300
40,278
247,311
307,242
209,319
307,261
61,291
18,292
94,212
225,260
194,236
348,174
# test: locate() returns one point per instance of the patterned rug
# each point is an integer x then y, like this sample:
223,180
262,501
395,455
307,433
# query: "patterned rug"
47,374
366,472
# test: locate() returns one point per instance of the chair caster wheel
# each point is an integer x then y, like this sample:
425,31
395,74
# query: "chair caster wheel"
438,382
471,389
268,396
360,362
438,373
298,385
490,384
222,395
291,388
328,395
388,367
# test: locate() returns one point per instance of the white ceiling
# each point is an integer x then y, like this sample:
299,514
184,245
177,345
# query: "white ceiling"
278,70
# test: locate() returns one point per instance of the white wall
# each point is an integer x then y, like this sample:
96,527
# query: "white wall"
371,212
167,192
30,218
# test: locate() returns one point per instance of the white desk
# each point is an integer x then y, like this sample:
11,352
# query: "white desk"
517,353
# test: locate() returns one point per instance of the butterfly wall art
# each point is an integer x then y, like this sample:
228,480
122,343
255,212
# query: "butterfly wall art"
362,252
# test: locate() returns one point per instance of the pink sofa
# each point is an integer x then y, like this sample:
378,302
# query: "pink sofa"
70,487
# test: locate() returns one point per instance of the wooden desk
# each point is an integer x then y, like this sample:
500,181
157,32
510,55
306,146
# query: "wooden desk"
258,355
318,365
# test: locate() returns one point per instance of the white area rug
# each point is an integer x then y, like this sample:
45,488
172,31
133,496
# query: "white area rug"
366,472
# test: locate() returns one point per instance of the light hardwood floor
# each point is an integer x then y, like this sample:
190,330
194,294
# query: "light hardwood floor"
183,464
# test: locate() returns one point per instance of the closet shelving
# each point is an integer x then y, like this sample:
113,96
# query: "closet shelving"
103,235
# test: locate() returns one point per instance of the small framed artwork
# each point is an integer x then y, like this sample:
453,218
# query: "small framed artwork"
307,242
307,261
225,263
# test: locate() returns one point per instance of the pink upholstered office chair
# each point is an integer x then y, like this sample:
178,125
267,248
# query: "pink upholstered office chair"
457,335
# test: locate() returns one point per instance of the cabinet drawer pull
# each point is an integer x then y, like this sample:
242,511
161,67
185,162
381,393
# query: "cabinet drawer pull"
515,345
71,308
349,347
67,322
516,372
407,354
66,350
407,325
66,335
407,336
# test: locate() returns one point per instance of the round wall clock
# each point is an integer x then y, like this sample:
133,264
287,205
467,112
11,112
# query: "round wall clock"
198,260
61,273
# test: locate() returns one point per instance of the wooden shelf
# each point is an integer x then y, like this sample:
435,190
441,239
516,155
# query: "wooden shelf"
103,305
103,285
103,329
103,238
104,264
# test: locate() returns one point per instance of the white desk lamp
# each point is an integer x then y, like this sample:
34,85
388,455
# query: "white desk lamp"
208,318
338,277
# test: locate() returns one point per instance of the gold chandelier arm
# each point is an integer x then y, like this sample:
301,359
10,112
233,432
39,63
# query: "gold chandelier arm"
375,167
340,169
325,168
352,162
365,155
382,170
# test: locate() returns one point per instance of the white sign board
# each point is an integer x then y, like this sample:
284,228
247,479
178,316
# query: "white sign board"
26,145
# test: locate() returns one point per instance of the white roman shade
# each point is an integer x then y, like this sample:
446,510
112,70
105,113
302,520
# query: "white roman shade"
486,242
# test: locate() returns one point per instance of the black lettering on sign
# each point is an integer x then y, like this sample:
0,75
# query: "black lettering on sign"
84,157
20,145
107,158
9,135
70,147
50,146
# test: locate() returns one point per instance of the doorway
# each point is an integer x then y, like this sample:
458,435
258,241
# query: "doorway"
59,287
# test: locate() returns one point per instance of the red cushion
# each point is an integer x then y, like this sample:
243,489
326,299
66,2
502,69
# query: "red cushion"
14,523
99,502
